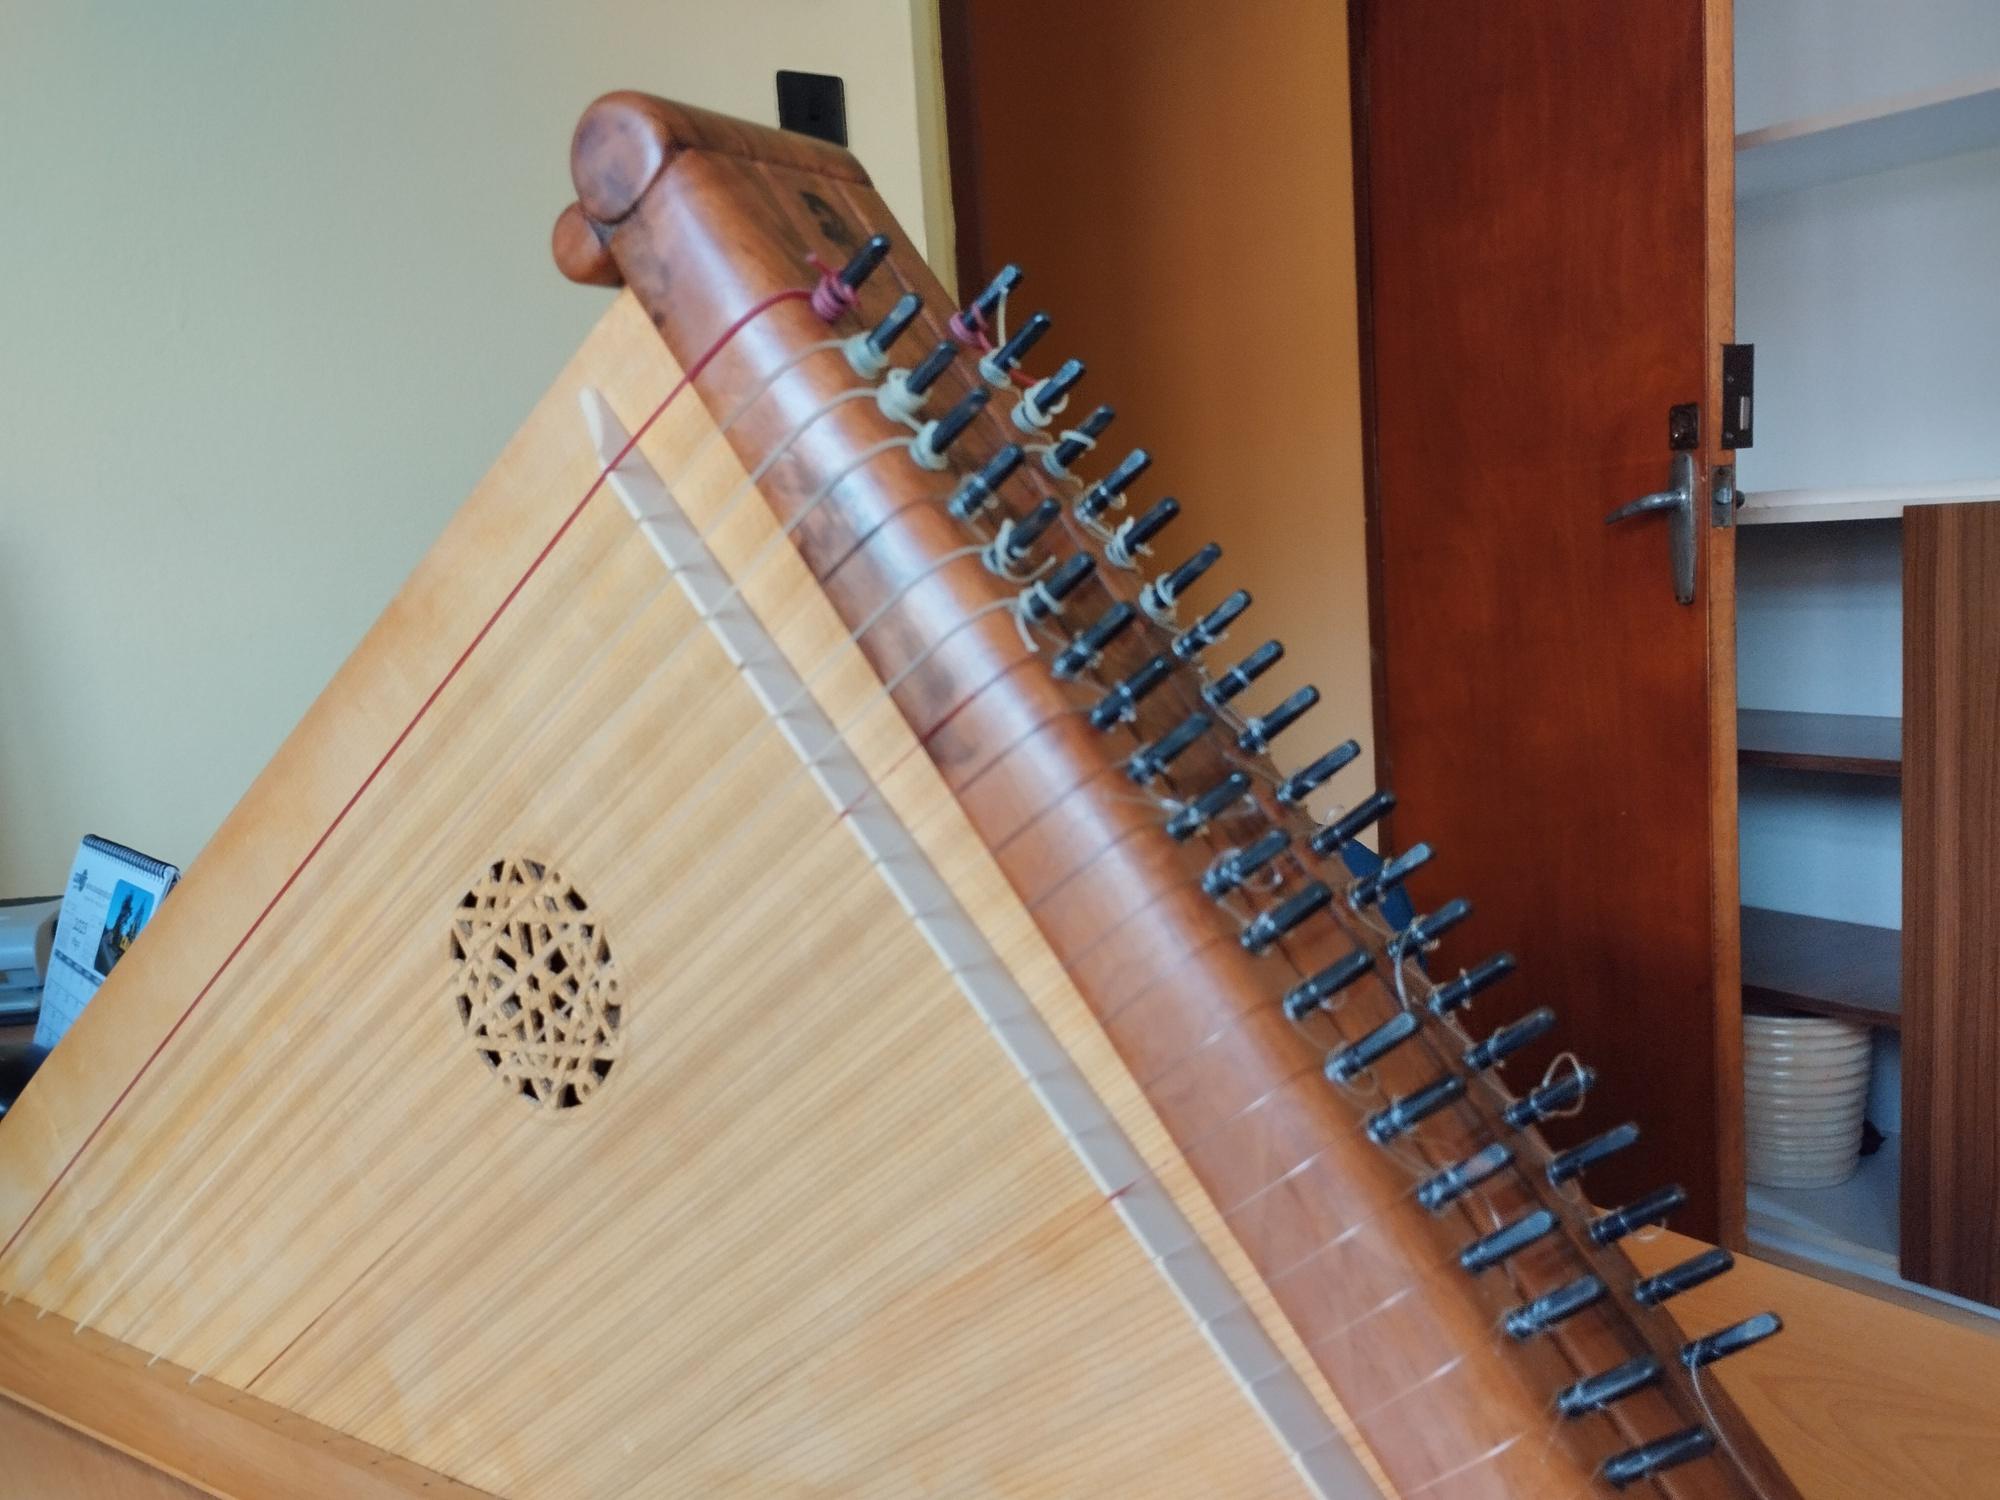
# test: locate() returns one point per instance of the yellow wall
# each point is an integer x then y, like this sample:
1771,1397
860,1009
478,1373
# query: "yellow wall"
1174,177
276,288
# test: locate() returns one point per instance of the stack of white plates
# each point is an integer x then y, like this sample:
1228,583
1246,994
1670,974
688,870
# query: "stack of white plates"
1805,1084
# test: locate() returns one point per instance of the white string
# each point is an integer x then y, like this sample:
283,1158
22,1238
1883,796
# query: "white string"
1158,600
1036,593
996,559
1577,1105
1118,548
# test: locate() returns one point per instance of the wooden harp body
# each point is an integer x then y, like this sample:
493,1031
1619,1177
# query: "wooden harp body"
700,1007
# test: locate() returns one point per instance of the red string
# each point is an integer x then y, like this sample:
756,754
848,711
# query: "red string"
692,373
832,296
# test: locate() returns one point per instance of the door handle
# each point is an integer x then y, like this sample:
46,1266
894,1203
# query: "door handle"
1678,503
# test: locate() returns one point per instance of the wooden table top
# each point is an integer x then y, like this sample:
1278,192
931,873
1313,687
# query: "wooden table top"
1858,1397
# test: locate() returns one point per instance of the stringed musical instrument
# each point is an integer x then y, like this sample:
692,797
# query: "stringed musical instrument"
783,966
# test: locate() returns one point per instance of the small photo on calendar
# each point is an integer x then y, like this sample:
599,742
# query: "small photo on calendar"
124,915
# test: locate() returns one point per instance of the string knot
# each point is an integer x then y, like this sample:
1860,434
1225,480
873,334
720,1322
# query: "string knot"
832,296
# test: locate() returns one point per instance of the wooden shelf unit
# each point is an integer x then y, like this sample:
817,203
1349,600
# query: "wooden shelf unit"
1845,970
1837,744
1873,137
1858,502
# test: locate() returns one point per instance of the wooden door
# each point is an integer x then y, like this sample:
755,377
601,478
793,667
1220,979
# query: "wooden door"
1545,196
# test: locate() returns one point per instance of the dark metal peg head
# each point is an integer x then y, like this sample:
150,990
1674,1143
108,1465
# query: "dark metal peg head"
1211,804
1148,761
1456,994
919,381
977,490
930,444
1351,1060
1109,490
1068,449
1245,672
1118,705
1081,654
1609,1228
1351,824
1426,930
1303,783
1371,888
1268,926
892,326
1309,995
1019,342
861,265
1230,870
1510,1039
1209,629
1260,731
1453,1183
977,313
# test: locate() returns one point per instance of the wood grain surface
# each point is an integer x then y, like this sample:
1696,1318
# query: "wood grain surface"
46,1460
1951,899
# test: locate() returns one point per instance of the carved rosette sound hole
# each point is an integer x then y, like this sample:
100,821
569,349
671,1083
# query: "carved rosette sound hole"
535,987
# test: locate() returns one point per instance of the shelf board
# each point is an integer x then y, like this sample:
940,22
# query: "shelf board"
1840,969
1860,1217
1843,744
1858,502
1874,137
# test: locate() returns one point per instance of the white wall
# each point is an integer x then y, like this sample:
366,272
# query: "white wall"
277,287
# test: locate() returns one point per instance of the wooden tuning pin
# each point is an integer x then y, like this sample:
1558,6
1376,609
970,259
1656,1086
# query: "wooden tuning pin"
1456,994
928,447
1303,783
1268,926
1353,1059
1399,1115
1509,1239
1510,1039
1083,653
1211,804
977,490
1572,1163
1609,1228
1643,1462
1443,1188
1209,629
1351,824
998,367
1370,888
1232,683
1312,994
1148,761
1074,444
1230,870
1683,1277
1426,930
1549,1309
1110,490
1260,731
868,353
1041,401
1550,1098
1122,702
1130,539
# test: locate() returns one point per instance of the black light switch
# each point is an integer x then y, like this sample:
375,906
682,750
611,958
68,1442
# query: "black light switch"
813,104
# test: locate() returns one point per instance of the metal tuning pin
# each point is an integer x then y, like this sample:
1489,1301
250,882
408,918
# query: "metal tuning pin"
1259,732
1549,1309
1389,1122
1456,994
1369,889
861,265
1209,629
1148,761
1130,539
1510,1039
1426,930
1707,1349
1309,995
1118,705
998,367
1571,1163
1157,598
1453,1183
1595,1392
1218,799
868,353
1230,870
1083,653
1508,1239
1550,1098
1017,538
1656,1457
1044,597
1609,1228
928,447
1074,444
1268,926
1302,784
1245,672
1349,826
978,489
919,381
1350,1060
1041,401
1686,1276
902,394
1110,490
971,320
